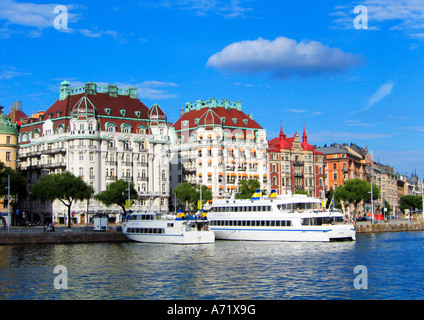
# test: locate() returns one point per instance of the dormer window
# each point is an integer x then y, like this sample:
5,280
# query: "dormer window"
107,111
234,120
123,112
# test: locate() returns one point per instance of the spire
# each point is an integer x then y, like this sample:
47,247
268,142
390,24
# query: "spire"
305,137
282,135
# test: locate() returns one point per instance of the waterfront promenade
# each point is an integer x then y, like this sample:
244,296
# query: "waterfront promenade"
84,234
62,234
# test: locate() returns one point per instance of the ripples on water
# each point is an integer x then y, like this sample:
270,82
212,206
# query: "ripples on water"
224,270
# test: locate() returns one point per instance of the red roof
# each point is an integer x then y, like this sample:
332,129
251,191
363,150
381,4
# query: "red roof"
284,143
120,109
233,118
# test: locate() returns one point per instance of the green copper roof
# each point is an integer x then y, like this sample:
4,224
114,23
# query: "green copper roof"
6,126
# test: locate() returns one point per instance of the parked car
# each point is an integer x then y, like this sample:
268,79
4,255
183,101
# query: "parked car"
362,219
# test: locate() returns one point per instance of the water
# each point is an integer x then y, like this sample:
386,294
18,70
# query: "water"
224,270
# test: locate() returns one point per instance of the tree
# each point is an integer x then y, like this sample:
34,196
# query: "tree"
63,186
411,202
300,191
247,188
206,195
190,194
356,190
117,193
17,181
184,193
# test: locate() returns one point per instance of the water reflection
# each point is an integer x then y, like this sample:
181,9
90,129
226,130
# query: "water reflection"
224,270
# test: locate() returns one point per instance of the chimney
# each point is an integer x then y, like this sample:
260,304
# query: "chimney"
133,92
90,88
112,90
182,111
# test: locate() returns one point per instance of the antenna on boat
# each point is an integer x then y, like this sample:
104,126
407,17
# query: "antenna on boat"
233,196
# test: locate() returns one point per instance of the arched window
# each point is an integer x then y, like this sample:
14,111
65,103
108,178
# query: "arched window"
126,128
110,127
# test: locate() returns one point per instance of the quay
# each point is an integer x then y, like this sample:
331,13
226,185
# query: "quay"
76,234
391,226
79,234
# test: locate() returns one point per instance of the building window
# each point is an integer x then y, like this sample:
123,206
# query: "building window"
81,172
8,155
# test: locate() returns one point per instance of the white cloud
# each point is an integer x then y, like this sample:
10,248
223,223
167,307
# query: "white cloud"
383,91
327,136
226,9
31,15
155,90
8,72
407,15
282,58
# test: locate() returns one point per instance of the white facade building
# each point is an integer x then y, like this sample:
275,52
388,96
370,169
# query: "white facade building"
216,144
101,133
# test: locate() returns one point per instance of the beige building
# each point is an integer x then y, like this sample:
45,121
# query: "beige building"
8,154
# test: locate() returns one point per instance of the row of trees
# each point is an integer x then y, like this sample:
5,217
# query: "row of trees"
68,188
354,191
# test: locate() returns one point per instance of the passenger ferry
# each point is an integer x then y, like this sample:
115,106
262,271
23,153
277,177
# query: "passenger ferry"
167,228
284,218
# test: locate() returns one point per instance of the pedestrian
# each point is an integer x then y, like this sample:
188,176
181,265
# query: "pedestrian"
4,224
53,230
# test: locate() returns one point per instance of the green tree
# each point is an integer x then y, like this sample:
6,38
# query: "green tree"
356,190
247,188
63,186
17,181
299,191
410,202
184,193
190,194
117,193
206,195
330,194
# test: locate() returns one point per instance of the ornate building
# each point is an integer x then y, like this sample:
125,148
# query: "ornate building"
101,133
296,165
344,162
8,154
216,144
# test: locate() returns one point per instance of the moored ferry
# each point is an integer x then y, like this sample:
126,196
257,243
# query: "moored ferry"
284,218
167,228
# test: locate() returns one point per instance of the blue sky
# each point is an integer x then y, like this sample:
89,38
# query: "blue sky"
299,62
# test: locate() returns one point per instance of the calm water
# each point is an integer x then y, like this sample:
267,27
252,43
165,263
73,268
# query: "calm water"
224,270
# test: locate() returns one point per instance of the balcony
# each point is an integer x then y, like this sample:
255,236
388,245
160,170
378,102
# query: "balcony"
53,165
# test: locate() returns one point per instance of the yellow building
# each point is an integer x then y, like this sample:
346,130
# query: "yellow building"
8,153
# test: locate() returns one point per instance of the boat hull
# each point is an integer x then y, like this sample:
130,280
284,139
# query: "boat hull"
318,234
201,237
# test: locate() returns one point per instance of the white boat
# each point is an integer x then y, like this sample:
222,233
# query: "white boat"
283,218
167,228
